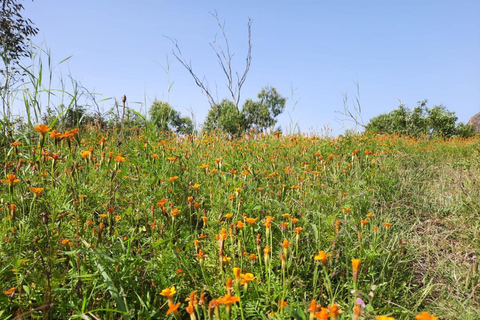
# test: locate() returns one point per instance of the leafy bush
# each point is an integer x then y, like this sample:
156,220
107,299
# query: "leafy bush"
421,121
261,114
166,118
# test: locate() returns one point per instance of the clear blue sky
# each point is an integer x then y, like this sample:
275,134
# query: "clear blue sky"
404,51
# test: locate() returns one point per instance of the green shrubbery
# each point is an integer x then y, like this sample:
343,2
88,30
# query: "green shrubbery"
421,121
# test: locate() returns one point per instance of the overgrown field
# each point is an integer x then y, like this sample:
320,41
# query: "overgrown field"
137,224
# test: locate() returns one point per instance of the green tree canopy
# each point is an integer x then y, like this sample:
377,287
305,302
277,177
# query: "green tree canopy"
261,114
166,118
15,32
421,121
225,117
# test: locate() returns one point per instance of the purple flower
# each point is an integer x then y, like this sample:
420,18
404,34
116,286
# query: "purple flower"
360,302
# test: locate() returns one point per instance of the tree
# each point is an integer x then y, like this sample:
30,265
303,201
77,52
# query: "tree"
263,114
421,121
168,119
15,33
225,117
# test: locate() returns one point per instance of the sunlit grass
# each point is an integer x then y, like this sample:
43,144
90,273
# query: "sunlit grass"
130,224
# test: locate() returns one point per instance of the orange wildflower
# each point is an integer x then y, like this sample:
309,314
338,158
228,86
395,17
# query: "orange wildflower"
15,144
247,277
175,212
190,309
172,307
9,292
200,255
229,299
355,267
169,292
387,225
42,129
119,158
86,154
11,179
172,179
323,314
267,250
334,311
282,304
384,318
162,202
285,244
322,256
425,316
251,221
297,230
36,191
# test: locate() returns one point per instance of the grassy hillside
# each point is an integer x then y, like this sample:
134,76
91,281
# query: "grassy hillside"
100,224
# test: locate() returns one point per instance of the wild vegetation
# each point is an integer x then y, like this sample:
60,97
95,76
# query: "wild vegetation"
125,216
108,224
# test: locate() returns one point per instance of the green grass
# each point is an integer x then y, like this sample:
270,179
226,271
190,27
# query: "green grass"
95,243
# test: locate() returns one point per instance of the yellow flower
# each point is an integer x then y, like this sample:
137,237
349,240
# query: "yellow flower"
196,186
168,292
247,277
322,256
384,318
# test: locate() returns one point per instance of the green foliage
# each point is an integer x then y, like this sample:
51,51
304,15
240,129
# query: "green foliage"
225,117
421,121
166,118
261,114
15,32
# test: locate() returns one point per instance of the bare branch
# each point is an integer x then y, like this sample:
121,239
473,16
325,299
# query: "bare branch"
202,83
241,80
224,59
